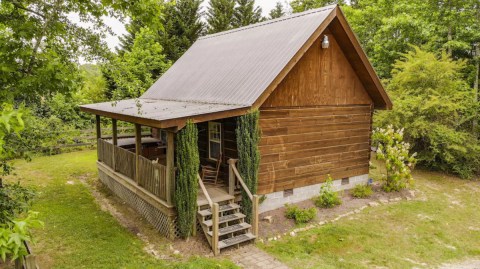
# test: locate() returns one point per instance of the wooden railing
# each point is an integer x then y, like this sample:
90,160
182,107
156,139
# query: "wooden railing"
124,162
253,197
215,217
28,261
153,177
105,152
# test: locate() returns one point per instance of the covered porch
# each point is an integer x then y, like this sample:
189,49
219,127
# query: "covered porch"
141,170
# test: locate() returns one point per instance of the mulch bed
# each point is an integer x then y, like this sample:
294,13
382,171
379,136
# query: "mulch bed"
280,224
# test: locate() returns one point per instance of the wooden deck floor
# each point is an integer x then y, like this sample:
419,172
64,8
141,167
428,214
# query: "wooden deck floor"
217,194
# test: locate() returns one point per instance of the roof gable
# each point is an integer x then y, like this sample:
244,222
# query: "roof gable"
235,67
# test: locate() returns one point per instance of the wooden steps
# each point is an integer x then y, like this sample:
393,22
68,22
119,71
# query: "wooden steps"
232,229
223,208
233,241
225,219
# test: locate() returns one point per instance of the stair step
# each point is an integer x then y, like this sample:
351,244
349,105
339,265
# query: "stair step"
222,208
232,229
226,218
235,240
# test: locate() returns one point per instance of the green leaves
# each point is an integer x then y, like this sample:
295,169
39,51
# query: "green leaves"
436,108
15,233
398,161
186,183
248,139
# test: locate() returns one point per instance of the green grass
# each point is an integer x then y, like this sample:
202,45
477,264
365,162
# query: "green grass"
423,234
77,233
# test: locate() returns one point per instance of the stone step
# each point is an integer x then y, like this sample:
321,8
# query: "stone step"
226,218
232,229
235,240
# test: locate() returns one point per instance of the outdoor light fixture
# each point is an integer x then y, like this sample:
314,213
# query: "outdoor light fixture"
325,42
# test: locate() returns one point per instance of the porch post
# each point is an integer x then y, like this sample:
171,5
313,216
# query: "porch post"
170,167
231,176
138,148
99,134
114,141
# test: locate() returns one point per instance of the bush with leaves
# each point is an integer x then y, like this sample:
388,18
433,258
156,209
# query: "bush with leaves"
186,184
362,191
328,197
248,139
436,108
13,235
14,200
300,215
398,161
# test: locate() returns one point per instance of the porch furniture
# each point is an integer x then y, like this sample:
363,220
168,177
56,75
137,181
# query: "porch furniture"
209,173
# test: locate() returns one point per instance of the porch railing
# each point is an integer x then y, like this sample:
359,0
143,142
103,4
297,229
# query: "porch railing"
124,162
153,176
234,174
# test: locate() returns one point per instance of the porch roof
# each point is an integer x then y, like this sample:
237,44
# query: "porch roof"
163,113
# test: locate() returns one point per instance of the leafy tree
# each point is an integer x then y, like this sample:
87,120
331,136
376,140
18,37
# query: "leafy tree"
39,44
277,12
182,27
246,13
435,107
220,15
302,5
126,40
248,139
136,70
93,89
186,185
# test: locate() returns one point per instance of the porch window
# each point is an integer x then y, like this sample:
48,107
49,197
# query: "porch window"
214,139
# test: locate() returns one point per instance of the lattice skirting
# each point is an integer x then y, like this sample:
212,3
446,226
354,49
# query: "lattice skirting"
164,223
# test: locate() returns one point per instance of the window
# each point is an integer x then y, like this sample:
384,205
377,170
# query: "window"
214,139
345,181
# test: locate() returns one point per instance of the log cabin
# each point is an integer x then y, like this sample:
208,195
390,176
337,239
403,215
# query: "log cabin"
316,92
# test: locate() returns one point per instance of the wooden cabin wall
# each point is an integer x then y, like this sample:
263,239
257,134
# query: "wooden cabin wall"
317,122
229,142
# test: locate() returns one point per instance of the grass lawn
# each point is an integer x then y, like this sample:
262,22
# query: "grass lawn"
77,233
441,225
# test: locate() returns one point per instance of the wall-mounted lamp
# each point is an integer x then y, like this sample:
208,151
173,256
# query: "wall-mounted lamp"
325,42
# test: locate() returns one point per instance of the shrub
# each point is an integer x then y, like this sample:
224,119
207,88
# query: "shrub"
186,185
13,235
14,200
398,161
248,138
437,108
362,191
327,198
300,215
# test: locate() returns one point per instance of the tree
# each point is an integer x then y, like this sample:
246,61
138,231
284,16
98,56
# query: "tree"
136,70
40,45
435,106
248,139
182,27
186,185
277,12
302,5
220,14
246,13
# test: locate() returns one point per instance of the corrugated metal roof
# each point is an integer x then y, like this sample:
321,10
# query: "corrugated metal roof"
159,110
236,66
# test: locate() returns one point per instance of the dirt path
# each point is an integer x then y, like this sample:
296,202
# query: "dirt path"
467,264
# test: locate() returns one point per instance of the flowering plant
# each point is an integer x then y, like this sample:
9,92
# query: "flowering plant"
398,161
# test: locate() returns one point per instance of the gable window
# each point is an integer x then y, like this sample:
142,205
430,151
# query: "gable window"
214,139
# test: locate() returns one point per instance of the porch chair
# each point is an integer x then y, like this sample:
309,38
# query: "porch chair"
210,173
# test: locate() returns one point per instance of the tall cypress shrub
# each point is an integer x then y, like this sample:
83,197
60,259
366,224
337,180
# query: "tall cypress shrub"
186,184
248,138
